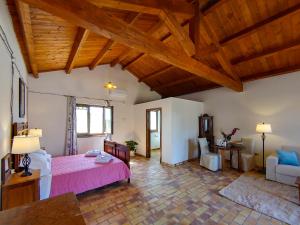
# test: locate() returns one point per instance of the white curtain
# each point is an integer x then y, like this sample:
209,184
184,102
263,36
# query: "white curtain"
71,137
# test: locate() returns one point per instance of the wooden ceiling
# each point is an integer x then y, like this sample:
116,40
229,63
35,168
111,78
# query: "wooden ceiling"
174,46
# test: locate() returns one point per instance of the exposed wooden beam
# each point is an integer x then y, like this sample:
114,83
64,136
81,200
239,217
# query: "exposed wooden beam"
146,6
101,54
221,55
127,52
178,31
25,21
268,52
96,20
156,73
141,55
260,25
174,83
212,6
80,38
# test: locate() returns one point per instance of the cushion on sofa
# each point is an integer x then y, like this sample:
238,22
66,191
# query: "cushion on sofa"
288,158
288,170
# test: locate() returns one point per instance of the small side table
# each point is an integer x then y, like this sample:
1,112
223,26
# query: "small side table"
298,184
18,190
231,149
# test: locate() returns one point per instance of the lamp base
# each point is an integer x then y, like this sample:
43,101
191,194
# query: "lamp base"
26,174
26,162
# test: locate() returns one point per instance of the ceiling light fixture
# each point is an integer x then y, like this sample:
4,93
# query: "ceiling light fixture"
110,85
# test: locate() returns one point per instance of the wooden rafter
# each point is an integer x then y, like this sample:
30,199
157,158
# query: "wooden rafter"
221,56
131,19
174,83
98,21
156,73
260,25
80,38
101,54
146,6
163,39
178,31
212,6
269,52
25,20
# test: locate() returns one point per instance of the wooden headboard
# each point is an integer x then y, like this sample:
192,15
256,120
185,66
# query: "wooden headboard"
120,151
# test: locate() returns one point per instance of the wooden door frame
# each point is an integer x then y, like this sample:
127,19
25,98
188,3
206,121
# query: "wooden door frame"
148,147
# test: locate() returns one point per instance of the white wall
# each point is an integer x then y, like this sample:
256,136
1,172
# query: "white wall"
179,128
49,111
6,81
273,100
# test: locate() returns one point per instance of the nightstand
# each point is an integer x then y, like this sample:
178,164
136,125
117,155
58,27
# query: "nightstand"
18,190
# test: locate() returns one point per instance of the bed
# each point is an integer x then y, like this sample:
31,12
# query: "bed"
77,173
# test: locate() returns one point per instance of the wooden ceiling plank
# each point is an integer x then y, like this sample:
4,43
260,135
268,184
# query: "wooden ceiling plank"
258,26
174,83
156,73
80,38
109,44
266,53
178,32
212,6
96,20
146,6
23,10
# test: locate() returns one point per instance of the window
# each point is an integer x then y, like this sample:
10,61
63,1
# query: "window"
153,121
94,120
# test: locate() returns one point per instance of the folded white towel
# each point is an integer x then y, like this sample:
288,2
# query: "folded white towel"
103,158
93,153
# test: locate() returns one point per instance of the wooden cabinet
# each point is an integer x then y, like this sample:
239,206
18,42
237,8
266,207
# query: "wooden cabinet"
18,190
206,129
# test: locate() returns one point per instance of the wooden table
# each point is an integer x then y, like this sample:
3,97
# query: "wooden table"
61,210
231,149
298,183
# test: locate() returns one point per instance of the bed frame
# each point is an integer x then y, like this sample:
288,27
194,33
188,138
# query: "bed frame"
119,151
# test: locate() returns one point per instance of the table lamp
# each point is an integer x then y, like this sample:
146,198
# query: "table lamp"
35,132
25,145
263,128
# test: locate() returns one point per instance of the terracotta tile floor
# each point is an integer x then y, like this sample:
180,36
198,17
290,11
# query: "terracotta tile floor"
186,194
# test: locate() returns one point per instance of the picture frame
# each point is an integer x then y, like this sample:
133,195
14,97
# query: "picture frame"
22,101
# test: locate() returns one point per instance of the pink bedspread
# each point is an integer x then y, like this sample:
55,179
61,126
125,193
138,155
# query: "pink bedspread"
79,174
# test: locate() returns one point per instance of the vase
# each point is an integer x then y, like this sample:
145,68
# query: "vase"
132,153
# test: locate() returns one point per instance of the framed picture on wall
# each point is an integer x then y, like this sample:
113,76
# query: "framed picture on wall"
22,93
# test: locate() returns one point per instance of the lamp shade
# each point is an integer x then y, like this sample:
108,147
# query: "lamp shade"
35,132
25,144
263,128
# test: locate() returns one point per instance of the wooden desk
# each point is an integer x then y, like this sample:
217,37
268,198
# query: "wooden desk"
231,149
61,210
18,190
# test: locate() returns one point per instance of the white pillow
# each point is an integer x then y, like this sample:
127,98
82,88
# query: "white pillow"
93,153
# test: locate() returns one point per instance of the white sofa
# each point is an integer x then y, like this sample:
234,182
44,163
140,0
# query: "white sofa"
282,173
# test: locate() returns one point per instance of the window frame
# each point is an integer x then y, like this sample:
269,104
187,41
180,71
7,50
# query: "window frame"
156,112
88,134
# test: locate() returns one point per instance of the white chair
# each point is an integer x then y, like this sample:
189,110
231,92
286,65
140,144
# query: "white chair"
211,161
247,156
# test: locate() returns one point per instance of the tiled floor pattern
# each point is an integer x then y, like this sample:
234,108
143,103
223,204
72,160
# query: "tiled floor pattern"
186,194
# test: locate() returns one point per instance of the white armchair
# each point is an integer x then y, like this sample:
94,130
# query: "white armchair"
211,161
247,156
282,173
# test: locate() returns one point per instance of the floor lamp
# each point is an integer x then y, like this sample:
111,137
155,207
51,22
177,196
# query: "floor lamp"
263,128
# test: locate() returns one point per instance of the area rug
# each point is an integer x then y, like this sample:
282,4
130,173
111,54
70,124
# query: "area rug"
270,198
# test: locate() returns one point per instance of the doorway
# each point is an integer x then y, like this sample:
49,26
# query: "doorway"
154,133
